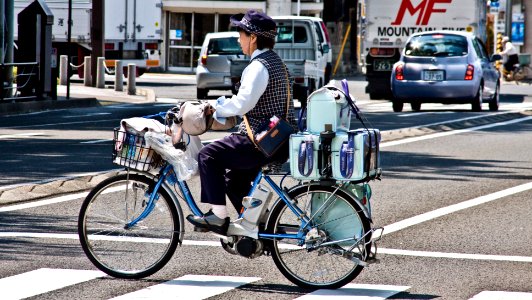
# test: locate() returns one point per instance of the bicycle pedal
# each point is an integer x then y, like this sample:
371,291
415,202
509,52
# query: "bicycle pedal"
200,229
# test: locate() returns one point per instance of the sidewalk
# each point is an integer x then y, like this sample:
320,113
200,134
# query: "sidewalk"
80,96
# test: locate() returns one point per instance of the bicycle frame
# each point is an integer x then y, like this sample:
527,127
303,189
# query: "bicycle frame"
167,171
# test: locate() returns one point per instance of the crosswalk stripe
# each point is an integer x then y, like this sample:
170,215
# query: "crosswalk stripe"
190,287
357,292
43,280
499,295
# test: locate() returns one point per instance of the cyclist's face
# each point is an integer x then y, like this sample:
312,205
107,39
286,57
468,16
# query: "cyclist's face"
248,42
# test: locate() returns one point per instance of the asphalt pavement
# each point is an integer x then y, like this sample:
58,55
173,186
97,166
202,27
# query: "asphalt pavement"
83,96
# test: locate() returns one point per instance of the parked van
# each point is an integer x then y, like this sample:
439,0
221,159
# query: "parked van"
213,71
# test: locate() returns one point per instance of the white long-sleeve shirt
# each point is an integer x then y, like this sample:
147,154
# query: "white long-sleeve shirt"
253,83
509,49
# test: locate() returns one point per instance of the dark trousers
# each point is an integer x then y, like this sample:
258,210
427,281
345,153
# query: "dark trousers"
512,60
229,166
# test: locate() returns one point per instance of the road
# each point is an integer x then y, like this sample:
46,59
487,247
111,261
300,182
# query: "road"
454,204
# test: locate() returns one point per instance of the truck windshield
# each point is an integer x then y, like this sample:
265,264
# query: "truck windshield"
443,45
285,34
228,45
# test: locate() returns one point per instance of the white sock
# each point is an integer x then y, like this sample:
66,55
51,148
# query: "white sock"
220,211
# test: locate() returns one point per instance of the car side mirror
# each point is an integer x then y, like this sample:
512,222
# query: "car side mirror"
495,57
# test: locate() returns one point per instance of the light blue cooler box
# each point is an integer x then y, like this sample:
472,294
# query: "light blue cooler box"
328,106
296,140
361,147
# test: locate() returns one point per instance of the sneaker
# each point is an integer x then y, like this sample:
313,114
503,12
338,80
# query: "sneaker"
209,222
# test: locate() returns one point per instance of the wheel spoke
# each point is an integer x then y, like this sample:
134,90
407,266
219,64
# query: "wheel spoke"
127,252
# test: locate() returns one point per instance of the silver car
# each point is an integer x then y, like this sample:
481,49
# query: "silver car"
445,67
213,71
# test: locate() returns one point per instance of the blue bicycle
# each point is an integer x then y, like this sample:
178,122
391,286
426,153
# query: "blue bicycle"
318,233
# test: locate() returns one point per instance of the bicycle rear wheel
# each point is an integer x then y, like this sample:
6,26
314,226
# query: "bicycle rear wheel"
330,266
122,252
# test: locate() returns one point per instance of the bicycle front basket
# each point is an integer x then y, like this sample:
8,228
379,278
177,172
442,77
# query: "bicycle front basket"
130,150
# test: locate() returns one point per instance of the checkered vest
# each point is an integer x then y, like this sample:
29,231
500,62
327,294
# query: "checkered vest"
273,100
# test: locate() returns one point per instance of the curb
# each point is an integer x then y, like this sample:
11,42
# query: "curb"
26,193
40,105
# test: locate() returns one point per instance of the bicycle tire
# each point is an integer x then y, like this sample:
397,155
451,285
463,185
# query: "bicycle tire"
131,253
315,269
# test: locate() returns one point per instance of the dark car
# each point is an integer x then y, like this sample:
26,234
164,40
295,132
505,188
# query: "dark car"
445,67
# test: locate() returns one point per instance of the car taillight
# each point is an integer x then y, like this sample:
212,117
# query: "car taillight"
470,71
204,59
399,72
150,46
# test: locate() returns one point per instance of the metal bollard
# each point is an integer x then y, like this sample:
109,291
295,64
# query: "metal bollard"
63,69
100,73
119,80
131,72
87,75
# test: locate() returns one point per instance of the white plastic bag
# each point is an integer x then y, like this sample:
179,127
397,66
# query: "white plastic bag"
185,165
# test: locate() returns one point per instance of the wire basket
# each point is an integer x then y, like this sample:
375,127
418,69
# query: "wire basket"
130,150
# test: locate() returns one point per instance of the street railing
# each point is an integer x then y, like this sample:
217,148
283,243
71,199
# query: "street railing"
11,89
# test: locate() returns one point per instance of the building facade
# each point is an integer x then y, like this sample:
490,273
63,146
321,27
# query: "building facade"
187,22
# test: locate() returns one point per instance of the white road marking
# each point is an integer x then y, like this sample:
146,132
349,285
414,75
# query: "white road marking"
453,132
500,295
97,141
434,254
44,202
454,208
356,292
87,115
20,135
204,243
190,287
42,281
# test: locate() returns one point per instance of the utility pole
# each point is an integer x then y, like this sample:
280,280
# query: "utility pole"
69,47
97,31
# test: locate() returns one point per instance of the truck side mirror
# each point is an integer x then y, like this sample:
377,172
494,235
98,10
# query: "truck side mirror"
326,48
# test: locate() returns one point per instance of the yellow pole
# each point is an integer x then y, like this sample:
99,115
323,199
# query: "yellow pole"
341,49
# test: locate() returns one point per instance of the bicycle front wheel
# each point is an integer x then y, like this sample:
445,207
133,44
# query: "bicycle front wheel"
337,222
109,241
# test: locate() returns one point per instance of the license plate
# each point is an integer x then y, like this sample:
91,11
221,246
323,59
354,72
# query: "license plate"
383,64
433,75
227,80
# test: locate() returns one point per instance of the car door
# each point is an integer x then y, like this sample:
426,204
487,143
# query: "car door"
489,73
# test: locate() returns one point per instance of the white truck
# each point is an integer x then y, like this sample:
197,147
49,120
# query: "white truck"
386,25
132,30
302,45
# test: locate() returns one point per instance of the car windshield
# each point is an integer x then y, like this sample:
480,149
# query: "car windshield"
437,45
228,45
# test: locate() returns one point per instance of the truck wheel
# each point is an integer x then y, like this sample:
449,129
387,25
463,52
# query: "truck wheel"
202,93
416,106
375,95
397,105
